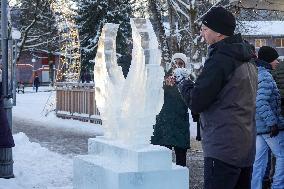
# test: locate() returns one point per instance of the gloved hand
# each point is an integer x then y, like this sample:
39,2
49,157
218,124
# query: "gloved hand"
274,131
180,74
195,116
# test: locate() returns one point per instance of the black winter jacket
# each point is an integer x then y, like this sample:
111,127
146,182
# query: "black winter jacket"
225,95
172,124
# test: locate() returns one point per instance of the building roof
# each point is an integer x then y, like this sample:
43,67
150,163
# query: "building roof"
261,28
259,4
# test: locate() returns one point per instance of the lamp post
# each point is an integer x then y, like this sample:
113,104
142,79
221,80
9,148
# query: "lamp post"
51,72
6,158
33,74
16,35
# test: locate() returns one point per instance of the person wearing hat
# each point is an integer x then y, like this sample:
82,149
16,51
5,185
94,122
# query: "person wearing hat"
278,75
270,134
172,125
224,94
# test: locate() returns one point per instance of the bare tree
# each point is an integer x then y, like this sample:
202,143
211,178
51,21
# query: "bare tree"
155,10
36,21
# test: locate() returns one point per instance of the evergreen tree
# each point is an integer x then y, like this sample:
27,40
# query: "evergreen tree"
92,15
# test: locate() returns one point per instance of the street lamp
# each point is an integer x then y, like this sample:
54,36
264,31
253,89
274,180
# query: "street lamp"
16,35
6,157
33,74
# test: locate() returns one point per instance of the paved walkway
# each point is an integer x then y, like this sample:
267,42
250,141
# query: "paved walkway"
57,140
71,144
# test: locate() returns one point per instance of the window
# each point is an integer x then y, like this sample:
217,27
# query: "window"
279,42
260,42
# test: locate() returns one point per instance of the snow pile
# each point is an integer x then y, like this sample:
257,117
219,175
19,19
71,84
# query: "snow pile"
36,167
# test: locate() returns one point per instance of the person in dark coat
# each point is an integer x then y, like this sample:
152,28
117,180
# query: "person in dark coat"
36,82
6,138
83,77
278,75
88,77
172,124
225,96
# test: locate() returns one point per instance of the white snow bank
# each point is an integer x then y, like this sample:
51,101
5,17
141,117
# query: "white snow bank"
37,167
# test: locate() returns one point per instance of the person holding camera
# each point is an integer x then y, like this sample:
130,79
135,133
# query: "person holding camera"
172,124
225,96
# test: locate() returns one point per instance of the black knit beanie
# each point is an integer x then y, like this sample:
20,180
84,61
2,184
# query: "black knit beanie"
267,54
220,20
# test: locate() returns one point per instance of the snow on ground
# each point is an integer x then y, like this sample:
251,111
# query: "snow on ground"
36,167
30,107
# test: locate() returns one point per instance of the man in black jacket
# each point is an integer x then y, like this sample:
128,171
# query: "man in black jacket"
224,94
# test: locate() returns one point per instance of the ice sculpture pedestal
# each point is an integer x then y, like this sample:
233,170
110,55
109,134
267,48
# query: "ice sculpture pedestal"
113,165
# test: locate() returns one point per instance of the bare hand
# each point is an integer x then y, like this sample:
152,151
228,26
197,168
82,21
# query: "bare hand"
170,81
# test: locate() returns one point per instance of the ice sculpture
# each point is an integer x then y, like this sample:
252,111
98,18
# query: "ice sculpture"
124,158
129,106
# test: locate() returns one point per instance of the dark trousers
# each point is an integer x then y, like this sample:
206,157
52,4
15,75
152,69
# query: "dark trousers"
180,155
220,175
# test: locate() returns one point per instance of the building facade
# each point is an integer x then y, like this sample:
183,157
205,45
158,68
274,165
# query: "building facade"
37,63
264,33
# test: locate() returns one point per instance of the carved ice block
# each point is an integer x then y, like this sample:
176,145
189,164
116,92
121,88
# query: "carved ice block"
112,165
94,172
146,158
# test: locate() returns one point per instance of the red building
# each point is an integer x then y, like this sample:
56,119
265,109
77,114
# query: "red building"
37,63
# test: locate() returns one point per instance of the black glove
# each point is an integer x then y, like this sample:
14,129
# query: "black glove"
195,116
198,135
274,131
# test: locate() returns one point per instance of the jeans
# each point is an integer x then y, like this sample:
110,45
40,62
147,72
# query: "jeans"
276,144
268,166
220,175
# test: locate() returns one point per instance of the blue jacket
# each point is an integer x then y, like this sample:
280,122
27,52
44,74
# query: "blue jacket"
268,103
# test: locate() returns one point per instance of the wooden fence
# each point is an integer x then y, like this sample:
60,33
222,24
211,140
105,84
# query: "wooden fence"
77,101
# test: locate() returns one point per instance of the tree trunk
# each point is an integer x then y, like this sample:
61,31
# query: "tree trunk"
174,46
157,21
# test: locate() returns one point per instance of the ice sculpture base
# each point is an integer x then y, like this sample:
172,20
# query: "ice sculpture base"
112,165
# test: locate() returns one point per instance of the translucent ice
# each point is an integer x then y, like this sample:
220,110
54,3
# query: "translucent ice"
129,106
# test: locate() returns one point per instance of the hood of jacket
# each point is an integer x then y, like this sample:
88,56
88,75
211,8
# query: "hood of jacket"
234,47
261,63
